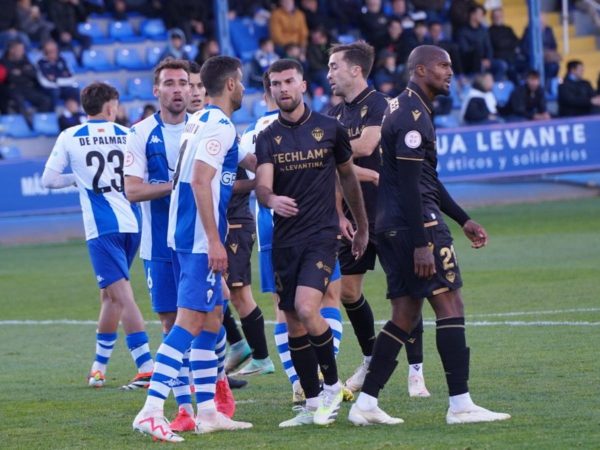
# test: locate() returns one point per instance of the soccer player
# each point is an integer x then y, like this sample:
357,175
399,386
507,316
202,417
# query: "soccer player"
361,113
202,185
95,152
298,155
415,245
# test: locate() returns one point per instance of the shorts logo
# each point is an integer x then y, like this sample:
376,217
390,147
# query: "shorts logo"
277,139
129,159
416,114
450,276
213,147
322,266
100,278
318,134
233,248
209,296
326,281
413,139
363,111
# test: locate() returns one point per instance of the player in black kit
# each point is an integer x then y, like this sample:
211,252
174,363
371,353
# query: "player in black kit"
416,246
361,114
298,155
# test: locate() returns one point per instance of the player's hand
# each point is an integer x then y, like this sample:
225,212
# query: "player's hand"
217,257
424,262
475,233
359,242
346,228
283,206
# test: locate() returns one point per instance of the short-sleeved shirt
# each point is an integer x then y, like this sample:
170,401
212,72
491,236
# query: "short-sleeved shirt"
152,149
95,151
366,110
209,136
304,155
407,133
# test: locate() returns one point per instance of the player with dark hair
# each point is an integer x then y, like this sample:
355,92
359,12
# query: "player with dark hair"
298,156
415,245
361,114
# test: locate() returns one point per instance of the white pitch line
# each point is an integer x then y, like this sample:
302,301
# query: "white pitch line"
535,313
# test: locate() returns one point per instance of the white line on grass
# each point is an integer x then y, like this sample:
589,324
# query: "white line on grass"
536,313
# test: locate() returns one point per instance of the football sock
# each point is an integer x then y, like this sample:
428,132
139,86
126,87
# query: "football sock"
323,346
363,323
233,332
414,346
306,365
385,351
105,343
454,353
253,326
333,317
221,351
281,342
183,392
203,362
137,343
168,362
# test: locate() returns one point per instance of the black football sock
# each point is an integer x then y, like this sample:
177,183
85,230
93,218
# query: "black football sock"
323,346
231,328
414,346
385,351
254,330
363,323
306,364
453,350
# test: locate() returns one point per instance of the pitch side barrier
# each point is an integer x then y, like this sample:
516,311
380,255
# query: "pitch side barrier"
466,153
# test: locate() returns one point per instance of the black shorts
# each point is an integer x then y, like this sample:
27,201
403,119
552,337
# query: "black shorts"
310,264
396,256
352,266
239,243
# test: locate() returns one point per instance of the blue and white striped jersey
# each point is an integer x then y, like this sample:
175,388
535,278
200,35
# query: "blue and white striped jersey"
264,215
95,151
209,136
152,149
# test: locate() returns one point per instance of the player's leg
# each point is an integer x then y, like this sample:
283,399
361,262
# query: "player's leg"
414,355
239,350
330,308
454,353
243,352
106,336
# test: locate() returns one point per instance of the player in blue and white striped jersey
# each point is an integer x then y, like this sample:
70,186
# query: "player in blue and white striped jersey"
202,185
95,152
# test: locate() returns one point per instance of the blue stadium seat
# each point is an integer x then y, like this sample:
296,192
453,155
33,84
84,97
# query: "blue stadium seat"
10,152
259,108
502,91
153,29
72,62
243,38
446,121
95,31
96,60
242,116
135,112
140,88
153,54
123,31
46,124
15,125
130,59
119,86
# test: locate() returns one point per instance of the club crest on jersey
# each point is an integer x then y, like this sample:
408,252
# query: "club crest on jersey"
277,139
318,134
416,114
363,111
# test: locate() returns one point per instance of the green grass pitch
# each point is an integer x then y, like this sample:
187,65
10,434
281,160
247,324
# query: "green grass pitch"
532,303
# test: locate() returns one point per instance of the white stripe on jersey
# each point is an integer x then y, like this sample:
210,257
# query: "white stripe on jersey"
95,151
264,216
209,136
160,141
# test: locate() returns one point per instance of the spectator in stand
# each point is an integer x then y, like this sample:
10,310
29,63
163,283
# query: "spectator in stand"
32,22
294,51
552,57
505,43
206,49
193,17
123,116
373,24
9,25
345,14
317,59
387,78
263,58
411,38
66,15
147,111
248,8
54,74
176,46
315,15
400,12
22,82
528,101
120,8
460,12
576,96
393,41
480,106
72,115
434,9
288,26
3,90
436,37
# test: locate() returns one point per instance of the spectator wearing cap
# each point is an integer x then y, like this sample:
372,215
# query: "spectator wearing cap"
288,26
54,74
576,96
528,101
176,46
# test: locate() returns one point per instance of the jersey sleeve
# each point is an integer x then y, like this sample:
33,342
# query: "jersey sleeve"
409,139
216,141
375,116
264,152
246,145
342,149
135,158
59,157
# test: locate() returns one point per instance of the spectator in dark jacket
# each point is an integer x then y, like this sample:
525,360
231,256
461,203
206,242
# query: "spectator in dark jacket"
474,43
54,74
72,115
263,58
459,13
505,42
315,15
176,46
373,23
66,15
480,106
436,37
528,101
387,78
576,96
552,57
32,22
317,58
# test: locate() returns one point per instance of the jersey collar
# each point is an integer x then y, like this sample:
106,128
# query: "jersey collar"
303,118
414,89
97,121
160,121
360,97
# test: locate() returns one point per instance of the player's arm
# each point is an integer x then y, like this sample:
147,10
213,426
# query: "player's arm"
245,186
346,226
137,190
367,142
366,175
53,177
354,200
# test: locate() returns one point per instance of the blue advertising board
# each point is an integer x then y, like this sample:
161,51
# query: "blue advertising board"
519,149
